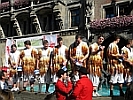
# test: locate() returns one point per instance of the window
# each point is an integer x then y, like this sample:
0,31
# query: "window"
123,8
109,12
117,9
75,17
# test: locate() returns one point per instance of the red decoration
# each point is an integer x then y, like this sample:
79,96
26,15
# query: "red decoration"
4,68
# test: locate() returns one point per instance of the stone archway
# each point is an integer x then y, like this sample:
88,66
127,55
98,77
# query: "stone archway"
109,39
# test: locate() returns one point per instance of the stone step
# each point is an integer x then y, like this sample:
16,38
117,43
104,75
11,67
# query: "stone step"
41,96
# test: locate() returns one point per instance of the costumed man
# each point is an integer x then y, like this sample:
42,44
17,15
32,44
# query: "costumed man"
60,56
115,66
78,54
95,63
128,60
13,63
28,62
44,64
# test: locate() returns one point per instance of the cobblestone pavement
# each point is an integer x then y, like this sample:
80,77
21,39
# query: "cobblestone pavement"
39,96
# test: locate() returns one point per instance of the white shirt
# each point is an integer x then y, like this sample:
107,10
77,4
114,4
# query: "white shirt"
94,46
62,51
128,51
27,52
45,52
79,48
113,45
14,56
2,85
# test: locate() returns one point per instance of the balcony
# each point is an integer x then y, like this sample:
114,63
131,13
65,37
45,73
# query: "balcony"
4,6
21,4
112,24
41,1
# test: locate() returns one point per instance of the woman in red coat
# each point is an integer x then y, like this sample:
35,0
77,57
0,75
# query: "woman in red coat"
61,88
83,89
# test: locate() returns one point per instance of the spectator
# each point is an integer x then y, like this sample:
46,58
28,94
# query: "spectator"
83,89
61,88
5,93
3,83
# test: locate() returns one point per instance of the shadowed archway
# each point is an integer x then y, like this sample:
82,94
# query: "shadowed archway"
110,39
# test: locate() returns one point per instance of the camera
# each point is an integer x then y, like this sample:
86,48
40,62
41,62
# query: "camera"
120,60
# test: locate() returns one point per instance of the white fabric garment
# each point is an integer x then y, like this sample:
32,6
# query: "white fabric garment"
79,48
55,78
3,85
95,79
130,56
117,78
61,51
45,52
27,52
14,56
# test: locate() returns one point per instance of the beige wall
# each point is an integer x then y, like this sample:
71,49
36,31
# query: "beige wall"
98,7
2,53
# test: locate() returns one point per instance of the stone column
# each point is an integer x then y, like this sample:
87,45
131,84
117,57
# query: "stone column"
17,27
35,19
36,22
11,2
2,35
14,20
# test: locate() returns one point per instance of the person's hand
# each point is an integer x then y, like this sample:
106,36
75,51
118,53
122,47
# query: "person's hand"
81,61
73,60
131,63
121,55
101,48
68,78
64,63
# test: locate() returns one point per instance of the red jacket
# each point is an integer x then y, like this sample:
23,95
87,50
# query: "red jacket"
62,90
83,89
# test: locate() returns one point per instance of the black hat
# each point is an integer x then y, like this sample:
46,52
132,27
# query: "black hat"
83,70
60,72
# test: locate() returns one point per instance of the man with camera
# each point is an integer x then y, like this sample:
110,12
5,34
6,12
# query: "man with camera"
62,90
83,89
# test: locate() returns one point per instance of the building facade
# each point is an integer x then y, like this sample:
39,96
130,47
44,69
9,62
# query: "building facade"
112,17
22,17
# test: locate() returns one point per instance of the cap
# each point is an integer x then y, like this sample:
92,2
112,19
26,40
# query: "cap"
83,70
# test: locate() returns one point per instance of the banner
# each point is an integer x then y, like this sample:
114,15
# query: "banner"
36,42
52,39
9,42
